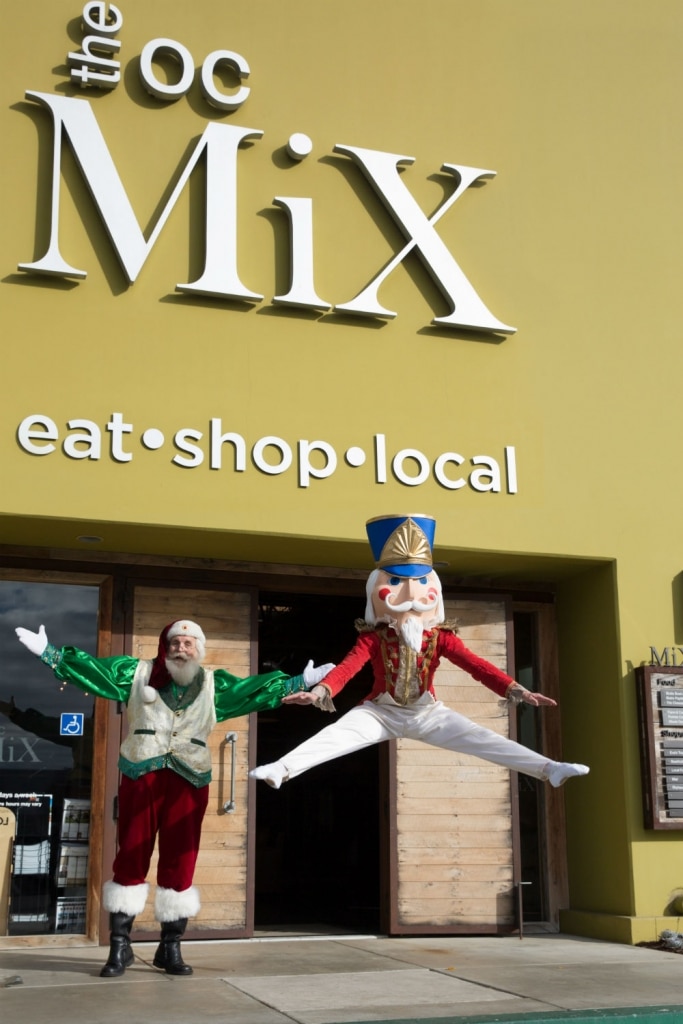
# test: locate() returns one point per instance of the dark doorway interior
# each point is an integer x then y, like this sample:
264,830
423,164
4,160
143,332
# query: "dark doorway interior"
530,790
318,837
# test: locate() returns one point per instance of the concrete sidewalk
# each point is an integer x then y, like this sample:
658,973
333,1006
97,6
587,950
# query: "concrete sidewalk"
335,979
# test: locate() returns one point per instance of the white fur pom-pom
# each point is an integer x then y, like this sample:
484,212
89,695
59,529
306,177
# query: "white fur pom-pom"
149,694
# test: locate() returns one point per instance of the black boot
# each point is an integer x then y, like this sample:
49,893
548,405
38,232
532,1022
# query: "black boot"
120,951
168,956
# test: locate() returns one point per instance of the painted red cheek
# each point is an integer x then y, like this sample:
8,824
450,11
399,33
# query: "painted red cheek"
383,593
431,593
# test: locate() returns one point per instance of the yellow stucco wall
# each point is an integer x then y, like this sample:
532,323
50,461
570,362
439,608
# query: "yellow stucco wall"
575,242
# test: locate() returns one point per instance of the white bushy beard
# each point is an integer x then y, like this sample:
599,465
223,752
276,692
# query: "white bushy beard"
411,632
182,669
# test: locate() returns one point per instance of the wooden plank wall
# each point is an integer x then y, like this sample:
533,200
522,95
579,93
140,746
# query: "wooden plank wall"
454,824
221,874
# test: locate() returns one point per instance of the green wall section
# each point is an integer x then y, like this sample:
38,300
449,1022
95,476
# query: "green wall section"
593,733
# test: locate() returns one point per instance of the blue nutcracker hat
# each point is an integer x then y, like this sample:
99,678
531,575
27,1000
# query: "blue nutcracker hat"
402,544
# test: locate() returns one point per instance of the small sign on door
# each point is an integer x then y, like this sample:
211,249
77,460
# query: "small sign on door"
71,724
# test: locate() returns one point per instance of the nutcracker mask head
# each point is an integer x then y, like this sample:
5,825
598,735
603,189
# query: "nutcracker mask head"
404,590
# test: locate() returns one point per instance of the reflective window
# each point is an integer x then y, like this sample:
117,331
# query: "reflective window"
46,757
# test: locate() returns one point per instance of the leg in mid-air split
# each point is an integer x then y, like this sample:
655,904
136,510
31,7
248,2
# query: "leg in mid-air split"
434,723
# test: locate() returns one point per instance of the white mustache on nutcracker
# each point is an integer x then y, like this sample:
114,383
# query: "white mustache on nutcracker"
410,606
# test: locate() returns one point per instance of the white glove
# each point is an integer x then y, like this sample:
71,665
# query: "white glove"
323,701
36,642
312,676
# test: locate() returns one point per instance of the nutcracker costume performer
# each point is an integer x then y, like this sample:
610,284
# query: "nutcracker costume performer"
404,637
172,705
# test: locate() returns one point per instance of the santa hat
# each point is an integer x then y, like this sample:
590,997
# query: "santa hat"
180,627
184,627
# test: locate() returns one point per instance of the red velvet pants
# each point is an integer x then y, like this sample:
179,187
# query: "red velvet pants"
160,803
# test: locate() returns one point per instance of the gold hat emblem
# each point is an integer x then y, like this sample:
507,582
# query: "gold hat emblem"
407,545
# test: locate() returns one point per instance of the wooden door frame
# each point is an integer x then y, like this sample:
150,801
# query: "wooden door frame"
553,825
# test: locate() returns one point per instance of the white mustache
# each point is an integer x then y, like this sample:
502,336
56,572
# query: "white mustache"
411,606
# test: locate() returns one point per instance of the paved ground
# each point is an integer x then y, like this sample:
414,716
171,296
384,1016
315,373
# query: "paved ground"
335,979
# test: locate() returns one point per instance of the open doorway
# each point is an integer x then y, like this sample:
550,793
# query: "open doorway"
318,837
542,826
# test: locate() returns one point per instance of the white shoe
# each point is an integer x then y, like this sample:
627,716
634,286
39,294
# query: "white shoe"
559,771
274,774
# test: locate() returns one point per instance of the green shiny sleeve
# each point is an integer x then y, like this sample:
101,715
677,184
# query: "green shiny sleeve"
235,697
104,677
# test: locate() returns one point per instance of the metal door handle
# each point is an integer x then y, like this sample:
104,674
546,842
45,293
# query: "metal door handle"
229,805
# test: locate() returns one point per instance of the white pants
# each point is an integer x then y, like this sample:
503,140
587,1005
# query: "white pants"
431,722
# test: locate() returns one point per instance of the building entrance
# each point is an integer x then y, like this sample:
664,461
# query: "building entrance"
318,837
402,837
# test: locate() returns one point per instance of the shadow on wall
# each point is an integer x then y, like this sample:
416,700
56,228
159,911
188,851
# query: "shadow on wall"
677,602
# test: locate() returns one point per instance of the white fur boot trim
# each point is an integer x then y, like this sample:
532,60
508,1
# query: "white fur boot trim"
170,905
124,899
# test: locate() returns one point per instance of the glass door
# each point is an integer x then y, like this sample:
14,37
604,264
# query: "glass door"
46,757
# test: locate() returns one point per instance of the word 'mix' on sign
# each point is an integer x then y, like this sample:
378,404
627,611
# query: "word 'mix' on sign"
218,148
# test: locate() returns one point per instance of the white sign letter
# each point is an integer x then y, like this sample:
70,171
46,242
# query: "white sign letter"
467,309
306,470
301,291
399,471
183,440
216,443
272,442
485,479
75,119
92,440
439,465
180,55
27,434
211,94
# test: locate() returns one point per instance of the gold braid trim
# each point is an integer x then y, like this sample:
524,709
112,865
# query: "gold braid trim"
427,660
451,626
388,667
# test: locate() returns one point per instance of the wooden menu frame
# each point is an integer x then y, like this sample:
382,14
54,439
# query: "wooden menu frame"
660,716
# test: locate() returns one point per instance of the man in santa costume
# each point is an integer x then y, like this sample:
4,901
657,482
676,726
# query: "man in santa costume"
172,705
404,637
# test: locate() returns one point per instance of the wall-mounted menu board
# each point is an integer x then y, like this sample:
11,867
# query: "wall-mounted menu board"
660,710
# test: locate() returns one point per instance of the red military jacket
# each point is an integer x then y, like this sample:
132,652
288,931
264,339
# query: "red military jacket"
394,664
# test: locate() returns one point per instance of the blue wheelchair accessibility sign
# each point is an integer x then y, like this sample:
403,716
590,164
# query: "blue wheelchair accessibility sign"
71,724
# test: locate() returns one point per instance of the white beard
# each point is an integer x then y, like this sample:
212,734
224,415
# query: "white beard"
411,631
182,673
